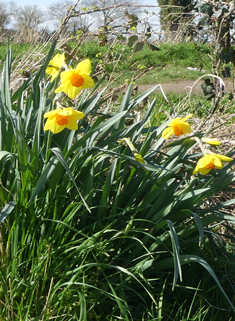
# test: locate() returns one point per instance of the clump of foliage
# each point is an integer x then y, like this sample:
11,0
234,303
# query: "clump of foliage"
104,222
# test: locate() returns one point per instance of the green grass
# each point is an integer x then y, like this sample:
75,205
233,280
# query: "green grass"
186,54
171,60
18,50
169,73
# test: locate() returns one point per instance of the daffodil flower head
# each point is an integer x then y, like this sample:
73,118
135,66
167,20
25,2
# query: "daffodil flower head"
177,127
210,141
210,161
74,80
54,65
139,158
59,119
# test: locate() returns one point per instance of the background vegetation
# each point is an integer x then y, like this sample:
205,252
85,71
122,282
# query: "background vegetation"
87,231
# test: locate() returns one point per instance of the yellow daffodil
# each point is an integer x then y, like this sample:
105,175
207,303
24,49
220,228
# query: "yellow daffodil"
178,127
210,141
139,158
59,119
74,80
210,161
54,65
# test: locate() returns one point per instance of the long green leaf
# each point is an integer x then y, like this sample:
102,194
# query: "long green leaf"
194,258
61,158
176,253
45,175
8,208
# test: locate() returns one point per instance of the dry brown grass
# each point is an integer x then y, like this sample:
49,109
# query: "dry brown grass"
33,59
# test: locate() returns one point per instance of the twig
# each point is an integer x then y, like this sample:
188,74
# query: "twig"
121,5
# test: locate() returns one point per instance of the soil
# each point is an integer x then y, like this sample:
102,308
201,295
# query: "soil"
185,85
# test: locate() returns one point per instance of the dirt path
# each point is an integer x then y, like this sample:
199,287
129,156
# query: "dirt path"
184,85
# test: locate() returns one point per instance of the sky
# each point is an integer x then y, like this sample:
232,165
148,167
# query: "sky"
43,4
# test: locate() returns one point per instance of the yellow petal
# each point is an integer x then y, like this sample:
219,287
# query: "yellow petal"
185,127
52,125
204,171
217,162
51,114
200,169
84,67
210,141
181,129
65,75
72,91
68,89
63,86
53,71
78,115
59,60
88,81
223,158
72,124
187,117
167,132
174,122
54,65
65,111
71,113
204,161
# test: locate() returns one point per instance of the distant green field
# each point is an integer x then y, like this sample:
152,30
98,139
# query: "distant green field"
175,58
171,61
17,50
